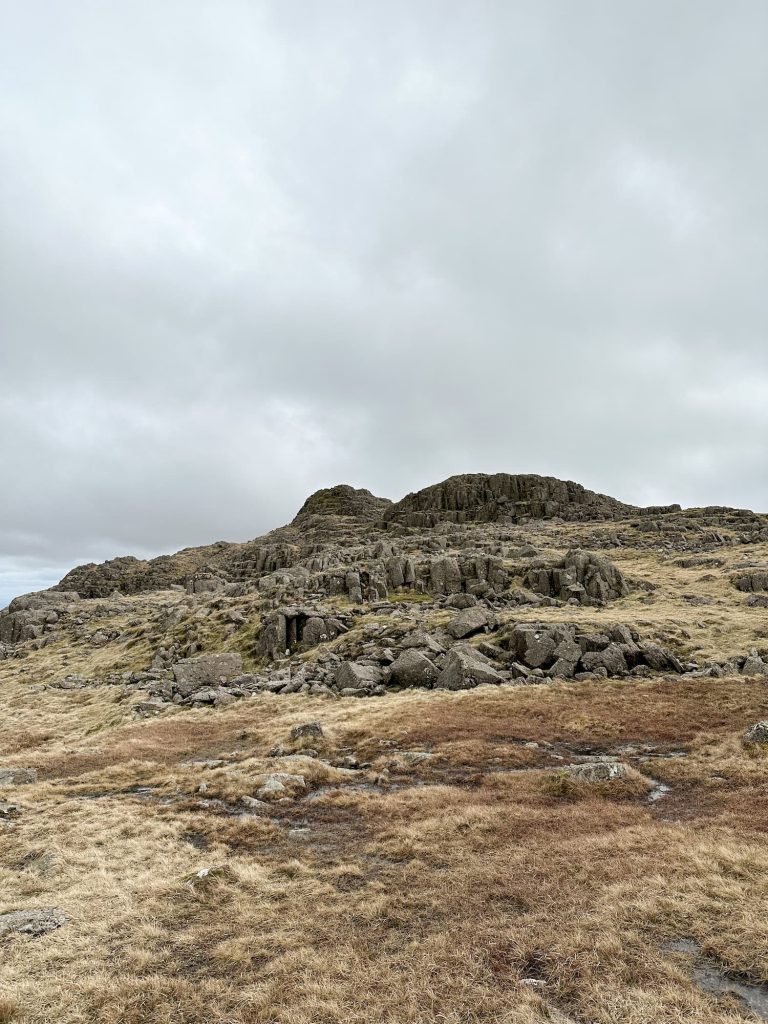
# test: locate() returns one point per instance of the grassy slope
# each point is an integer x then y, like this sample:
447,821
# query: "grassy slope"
421,893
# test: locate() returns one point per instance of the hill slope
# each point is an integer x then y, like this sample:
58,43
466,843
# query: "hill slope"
478,755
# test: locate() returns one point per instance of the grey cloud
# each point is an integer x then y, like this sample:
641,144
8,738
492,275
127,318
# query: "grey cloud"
251,249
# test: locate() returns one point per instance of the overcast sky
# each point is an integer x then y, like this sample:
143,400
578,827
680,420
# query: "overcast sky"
250,249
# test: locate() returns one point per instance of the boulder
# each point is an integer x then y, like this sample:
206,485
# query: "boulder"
534,647
754,666
280,784
612,659
464,668
748,582
207,671
350,675
412,668
468,622
421,639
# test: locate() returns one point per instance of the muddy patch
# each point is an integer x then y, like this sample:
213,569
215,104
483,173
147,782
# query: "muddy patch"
712,978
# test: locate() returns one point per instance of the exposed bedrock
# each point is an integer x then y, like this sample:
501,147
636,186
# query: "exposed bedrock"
481,497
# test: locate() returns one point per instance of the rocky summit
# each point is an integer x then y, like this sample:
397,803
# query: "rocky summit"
505,722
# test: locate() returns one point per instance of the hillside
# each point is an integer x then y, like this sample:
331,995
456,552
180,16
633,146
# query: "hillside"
489,753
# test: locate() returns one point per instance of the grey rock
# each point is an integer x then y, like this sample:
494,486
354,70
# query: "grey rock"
465,668
533,646
32,922
468,622
308,729
352,675
611,659
17,776
757,733
412,668
598,771
209,670
754,666
421,639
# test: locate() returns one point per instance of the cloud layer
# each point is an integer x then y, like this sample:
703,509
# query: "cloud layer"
251,249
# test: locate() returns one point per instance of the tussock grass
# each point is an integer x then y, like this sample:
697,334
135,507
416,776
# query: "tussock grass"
426,892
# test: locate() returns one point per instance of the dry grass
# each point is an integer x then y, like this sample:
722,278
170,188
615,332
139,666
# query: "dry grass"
428,897
412,891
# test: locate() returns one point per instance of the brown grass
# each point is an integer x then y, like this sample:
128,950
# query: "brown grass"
405,893
427,897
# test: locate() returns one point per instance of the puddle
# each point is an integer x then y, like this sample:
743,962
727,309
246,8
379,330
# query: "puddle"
711,978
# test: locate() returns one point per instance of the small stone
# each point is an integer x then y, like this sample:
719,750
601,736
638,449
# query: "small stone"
32,922
17,776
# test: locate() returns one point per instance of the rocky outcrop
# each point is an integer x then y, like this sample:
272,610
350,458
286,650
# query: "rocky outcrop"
565,651
751,581
28,617
17,776
581,576
480,497
341,500
757,733
294,628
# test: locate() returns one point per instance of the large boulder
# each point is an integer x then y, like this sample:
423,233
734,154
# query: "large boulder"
533,646
468,622
350,675
412,668
206,672
464,668
612,659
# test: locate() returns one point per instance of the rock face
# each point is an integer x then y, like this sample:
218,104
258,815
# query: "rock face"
479,497
292,628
